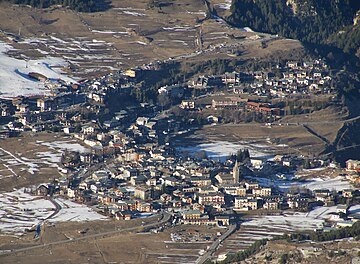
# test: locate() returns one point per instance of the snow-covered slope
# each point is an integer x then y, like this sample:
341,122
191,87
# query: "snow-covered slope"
14,80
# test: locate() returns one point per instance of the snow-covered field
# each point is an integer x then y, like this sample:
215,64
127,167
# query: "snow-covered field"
221,150
20,211
71,211
267,227
291,221
338,183
58,147
14,80
10,160
70,145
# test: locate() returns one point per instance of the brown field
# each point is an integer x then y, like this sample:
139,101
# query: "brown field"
290,131
127,35
27,161
119,248
326,252
295,136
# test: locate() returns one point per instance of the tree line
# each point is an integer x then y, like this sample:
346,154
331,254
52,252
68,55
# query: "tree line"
353,231
77,5
317,21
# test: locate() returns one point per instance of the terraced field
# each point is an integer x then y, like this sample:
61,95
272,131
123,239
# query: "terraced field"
129,34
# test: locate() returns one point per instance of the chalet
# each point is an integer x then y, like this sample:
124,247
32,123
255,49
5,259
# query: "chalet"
317,74
345,223
165,197
153,182
142,121
136,180
97,97
262,108
230,103
203,220
207,189
144,207
214,199
88,129
200,181
261,192
142,193
23,108
175,203
342,208
256,163
190,189
42,190
45,104
199,82
302,81
111,123
258,75
222,220
71,193
134,73
174,91
308,64
347,193
6,111
151,125
172,181
131,204
157,154
191,214
121,205
302,204
244,203
251,185
38,76
187,104
353,165
234,189
322,192
230,78
6,133
292,64
271,205
123,215
212,119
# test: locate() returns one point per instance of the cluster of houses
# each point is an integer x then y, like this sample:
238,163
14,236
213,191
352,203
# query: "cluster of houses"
293,79
51,112
141,175
310,77
131,167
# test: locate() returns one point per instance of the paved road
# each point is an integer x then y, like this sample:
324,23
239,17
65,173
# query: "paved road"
57,207
215,245
165,218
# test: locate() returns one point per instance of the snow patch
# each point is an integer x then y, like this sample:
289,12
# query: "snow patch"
14,80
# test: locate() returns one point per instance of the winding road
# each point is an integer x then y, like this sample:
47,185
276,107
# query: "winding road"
215,245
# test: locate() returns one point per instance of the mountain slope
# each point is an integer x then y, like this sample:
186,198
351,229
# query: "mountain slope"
311,21
77,5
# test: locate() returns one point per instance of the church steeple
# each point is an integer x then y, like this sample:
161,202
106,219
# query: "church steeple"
236,172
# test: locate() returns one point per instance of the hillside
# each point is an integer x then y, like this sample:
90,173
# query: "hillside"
329,22
77,5
127,35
